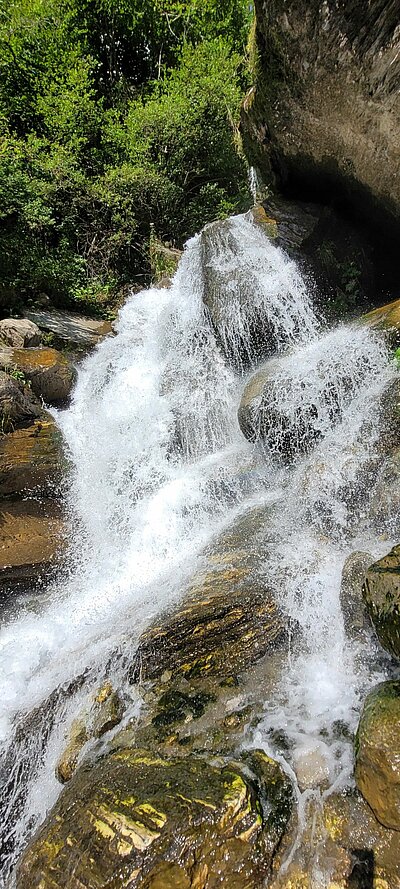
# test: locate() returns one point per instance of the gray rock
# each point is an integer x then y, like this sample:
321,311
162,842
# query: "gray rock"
385,501
19,333
381,592
323,111
351,599
71,328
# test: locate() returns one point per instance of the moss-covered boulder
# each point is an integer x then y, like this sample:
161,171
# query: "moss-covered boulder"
377,749
381,593
49,372
31,459
139,819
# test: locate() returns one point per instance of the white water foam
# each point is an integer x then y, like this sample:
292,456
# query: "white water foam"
156,454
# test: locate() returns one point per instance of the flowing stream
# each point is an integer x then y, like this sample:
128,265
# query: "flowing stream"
155,474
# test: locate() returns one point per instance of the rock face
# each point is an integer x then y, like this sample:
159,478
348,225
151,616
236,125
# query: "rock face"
18,405
324,110
31,540
19,333
161,823
381,593
377,753
31,459
50,373
386,318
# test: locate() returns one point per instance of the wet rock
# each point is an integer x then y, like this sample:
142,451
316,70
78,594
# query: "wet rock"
18,405
226,288
66,766
268,224
69,328
312,766
160,822
385,502
268,413
351,599
104,714
386,318
31,459
213,632
50,373
374,849
377,748
381,592
32,537
19,333
107,711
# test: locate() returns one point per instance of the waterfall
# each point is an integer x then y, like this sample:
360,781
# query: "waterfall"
155,451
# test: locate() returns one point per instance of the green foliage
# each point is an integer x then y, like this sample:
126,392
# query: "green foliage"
396,358
114,117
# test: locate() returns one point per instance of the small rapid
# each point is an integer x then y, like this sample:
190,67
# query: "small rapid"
156,458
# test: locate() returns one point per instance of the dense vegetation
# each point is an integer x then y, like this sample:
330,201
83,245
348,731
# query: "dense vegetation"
114,115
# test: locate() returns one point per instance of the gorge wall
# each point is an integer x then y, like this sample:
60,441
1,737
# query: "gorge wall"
323,117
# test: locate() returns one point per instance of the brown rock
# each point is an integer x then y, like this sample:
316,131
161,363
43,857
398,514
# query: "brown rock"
381,592
31,541
386,318
50,373
150,821
31,459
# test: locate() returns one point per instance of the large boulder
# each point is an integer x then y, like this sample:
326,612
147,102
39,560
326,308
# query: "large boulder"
18,405
289,408
323,115
49,372
31,459
32,537
381,593
19,333
159,822
247,289
377,753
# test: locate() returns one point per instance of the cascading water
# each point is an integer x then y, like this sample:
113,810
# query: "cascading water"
155,450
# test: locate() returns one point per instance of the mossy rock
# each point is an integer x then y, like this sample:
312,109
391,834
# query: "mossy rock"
49,372
138,819
381,592
377,749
